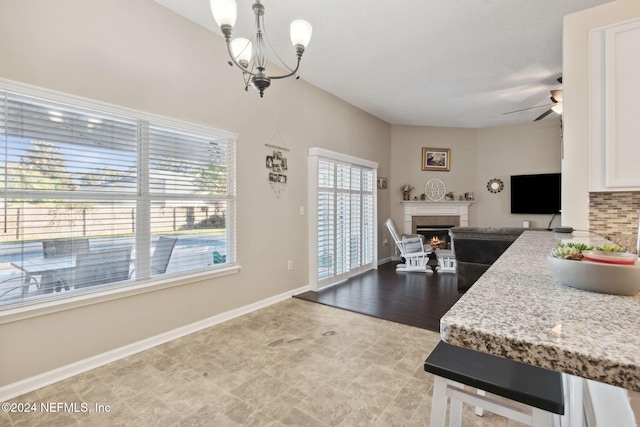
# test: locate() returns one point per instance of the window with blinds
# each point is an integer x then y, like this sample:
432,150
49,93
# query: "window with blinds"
345,218
117,185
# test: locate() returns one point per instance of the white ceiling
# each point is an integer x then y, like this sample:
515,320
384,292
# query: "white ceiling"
450,63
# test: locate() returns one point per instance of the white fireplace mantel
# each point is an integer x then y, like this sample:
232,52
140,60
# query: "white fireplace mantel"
444,208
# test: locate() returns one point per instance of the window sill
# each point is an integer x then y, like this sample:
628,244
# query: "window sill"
83,300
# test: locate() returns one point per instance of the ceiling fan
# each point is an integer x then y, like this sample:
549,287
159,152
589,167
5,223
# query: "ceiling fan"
556,104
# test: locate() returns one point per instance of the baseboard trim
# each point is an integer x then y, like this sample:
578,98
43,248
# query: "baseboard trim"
30,384
384,261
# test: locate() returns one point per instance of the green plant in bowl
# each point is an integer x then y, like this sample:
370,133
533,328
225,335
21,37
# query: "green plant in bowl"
596,276
571,251
614,275
610,248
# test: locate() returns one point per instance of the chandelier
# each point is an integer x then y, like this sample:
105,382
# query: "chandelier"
251,55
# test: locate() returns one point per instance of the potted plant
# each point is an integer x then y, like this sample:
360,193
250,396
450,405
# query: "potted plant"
406,192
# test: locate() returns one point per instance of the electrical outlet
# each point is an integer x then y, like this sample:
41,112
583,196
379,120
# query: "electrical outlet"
290,265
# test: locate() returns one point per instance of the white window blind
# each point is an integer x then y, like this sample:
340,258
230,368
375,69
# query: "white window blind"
344,218
83,179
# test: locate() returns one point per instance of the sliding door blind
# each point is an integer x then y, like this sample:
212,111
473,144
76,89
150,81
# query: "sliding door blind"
345,220
343,224
368,209
326,220
73,172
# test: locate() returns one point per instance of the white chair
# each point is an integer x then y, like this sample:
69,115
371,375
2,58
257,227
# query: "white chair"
411,249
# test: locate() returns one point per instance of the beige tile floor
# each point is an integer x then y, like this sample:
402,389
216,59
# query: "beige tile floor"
294,363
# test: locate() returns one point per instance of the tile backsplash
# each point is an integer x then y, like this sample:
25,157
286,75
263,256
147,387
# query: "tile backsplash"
615,216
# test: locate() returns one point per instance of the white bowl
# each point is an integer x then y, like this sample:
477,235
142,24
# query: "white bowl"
597,277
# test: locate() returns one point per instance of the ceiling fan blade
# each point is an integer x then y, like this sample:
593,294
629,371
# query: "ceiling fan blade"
559,79
526,109
543,115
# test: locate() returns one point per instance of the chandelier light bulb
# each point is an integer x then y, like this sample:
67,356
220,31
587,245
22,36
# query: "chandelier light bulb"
300,32
242,51
224,12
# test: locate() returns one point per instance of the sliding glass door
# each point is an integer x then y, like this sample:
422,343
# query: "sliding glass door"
343,216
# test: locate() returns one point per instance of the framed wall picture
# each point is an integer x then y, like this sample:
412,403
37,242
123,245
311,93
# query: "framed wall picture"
436,159
382,183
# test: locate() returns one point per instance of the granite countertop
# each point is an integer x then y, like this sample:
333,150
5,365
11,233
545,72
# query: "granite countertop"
519,310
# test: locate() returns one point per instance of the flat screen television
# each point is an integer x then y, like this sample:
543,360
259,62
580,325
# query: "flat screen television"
535,194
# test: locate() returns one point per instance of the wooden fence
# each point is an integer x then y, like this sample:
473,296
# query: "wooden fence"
50,221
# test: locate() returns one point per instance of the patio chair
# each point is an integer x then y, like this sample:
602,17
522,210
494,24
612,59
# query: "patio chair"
100,267
57,280
411,249
11,284
162,254
66,247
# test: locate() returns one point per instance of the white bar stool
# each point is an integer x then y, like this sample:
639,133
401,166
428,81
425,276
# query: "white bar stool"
540,390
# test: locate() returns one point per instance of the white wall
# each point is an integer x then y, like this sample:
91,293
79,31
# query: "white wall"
140,55
477,155
575,165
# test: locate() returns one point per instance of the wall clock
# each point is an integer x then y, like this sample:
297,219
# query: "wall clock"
495,185
435,190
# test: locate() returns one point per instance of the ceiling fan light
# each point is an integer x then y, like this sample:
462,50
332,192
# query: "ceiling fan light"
300,33
242,50
224,12
557,108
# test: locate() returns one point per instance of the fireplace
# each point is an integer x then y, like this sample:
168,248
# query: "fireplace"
435,218
435,227
423,213
436,234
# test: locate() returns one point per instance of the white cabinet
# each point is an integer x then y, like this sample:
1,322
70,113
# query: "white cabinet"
614,73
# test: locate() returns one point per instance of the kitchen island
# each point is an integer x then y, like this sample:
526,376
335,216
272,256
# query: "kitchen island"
520,311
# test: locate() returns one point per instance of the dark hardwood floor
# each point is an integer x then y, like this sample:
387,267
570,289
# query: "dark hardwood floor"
415,299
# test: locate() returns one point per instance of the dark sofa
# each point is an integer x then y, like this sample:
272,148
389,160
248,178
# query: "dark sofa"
476,249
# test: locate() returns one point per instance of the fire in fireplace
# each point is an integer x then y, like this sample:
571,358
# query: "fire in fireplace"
436,235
